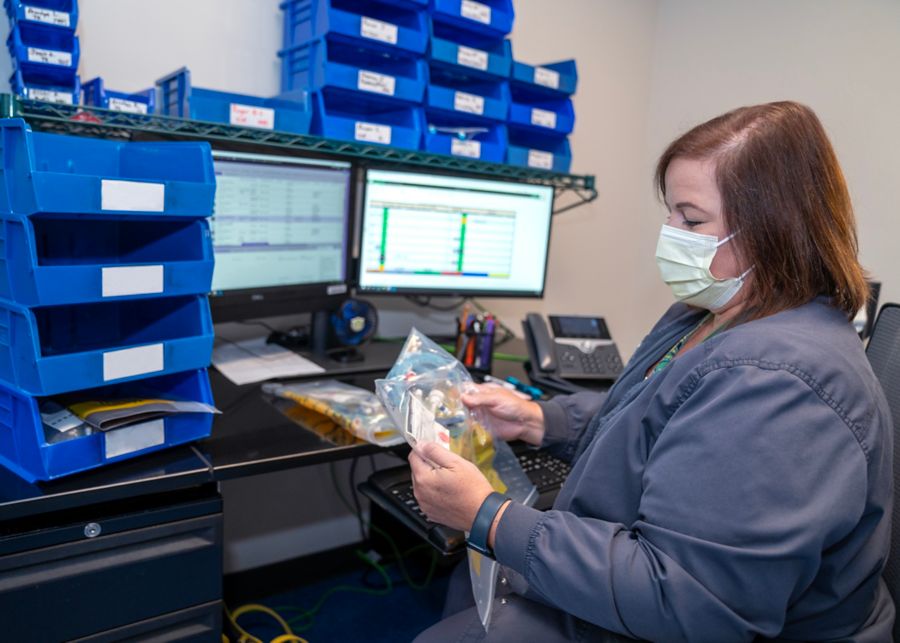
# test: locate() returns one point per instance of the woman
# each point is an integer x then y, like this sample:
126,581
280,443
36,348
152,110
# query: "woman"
735,484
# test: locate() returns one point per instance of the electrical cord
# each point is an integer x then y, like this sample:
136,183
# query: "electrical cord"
256,322
425,302
247,637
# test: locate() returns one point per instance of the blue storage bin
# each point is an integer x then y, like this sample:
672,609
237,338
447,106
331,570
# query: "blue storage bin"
527,148
490,17
179,98
458,95
70,174
331,64
133,103
68,94
59,13
25,451
46,55
469,53
552,78
481,140
59,349
541,112
350,116
49,260
387,25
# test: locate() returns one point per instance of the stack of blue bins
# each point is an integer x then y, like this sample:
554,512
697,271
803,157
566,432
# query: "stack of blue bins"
105,264
362,62
44,49
97,95
469,61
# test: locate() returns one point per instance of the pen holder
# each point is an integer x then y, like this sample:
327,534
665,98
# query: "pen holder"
475,347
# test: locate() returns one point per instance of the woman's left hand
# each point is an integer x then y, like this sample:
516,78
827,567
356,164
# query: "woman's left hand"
449,489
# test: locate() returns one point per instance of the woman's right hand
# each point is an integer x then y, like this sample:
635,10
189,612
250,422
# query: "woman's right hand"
506,414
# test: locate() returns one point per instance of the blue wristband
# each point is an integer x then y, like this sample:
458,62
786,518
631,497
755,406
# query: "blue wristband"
481,527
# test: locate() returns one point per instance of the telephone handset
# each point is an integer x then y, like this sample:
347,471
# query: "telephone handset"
580,348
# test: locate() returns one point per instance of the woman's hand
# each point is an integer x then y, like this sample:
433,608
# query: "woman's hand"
448,488
507,415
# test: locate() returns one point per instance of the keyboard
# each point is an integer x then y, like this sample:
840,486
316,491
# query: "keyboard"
391,489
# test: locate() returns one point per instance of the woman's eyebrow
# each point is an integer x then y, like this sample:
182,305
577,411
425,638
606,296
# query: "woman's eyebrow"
687,204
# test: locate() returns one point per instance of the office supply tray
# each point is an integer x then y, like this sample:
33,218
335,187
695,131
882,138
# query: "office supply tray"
489,144
48,55
58,13
25,451
69,259
179,98
554,79
66,94
352,116
69,174
378,24
463,95
528,148
540,112
469,53
332,64
489,17
57,349
96,94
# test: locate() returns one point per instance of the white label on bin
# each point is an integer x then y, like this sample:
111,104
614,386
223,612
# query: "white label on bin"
50,57
129,362
469,57
58,18
135,196
372,132
546,77
249,116
136,437
50,96
475,11
463,102
370,81
543,118
540,159
131,280
130,106
378,30
472,149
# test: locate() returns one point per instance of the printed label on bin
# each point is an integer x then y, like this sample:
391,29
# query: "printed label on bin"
469,57
129,106
543,118
129,362
472,149
463,102
475,11
50,57
372,132
249,116
131,280
546,77
370,81
136,437
540,159
58,18
135,196
378,30
50,96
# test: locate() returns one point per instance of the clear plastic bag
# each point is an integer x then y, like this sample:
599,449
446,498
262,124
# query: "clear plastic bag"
422,393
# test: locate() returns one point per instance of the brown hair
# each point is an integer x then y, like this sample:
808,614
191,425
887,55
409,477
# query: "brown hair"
783,188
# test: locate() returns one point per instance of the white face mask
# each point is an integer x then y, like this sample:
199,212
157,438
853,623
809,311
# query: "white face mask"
684,258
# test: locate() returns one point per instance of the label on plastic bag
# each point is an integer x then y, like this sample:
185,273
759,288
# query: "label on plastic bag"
463,102
131,280
421,426
50,96
475,11
129,362
58,18
378,30
136,437
472,149
372,132
543,118
540,159
546,77
50,56
135,196
469,57
250,116
129,106
370,81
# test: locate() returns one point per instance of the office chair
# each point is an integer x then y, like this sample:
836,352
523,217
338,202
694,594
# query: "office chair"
883,352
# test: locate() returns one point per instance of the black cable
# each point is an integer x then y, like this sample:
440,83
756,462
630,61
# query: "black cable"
252,322
426,303
355,497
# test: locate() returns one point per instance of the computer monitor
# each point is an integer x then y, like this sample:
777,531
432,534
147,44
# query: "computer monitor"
281,235
433,234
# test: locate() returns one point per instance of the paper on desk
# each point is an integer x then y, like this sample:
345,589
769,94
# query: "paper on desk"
253,360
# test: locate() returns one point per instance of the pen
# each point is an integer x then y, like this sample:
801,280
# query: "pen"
533,391
490,379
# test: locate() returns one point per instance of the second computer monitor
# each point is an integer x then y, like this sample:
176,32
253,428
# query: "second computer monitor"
434,234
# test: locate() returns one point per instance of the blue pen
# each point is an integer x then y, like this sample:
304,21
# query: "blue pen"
533,391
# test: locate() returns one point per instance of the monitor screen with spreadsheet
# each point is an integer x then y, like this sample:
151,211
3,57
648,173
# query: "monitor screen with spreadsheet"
449,235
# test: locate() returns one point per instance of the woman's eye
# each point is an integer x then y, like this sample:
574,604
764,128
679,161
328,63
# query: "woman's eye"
691,224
